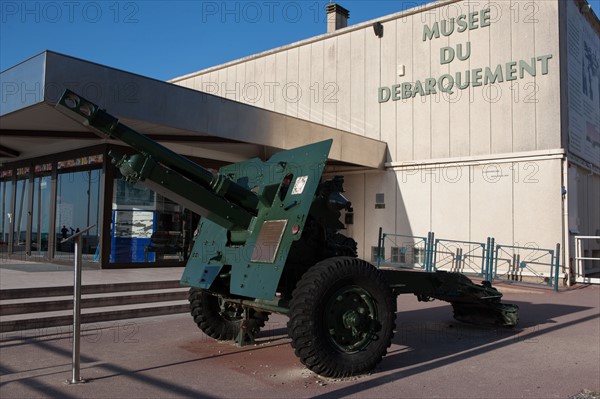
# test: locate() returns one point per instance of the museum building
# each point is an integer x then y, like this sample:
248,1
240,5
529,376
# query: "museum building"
467,119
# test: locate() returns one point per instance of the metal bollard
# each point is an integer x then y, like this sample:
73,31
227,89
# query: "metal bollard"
76,362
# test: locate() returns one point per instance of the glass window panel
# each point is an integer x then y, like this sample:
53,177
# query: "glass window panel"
77,206
5,195
40,228
19,219
374,254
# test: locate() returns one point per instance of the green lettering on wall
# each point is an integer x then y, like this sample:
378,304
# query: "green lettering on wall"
406,90
485,18
524,66
447,28
396,92
462,23
446,55
492,77
418,89
459,80
459,51
511,71
429,34
473,19
430,86
448,87
477,77
384,94
544,59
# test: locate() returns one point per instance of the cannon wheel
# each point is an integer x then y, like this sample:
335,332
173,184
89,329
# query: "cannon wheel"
219,319
342,317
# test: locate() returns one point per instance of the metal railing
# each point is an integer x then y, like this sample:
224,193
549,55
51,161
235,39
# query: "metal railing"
585,266
489,261
466,257
411,252
527,265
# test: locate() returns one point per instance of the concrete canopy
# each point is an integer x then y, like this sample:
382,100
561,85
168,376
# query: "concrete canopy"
188,121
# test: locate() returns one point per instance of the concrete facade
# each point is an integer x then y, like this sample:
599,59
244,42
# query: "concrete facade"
471,98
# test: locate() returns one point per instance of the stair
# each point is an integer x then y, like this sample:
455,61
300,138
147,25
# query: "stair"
35,308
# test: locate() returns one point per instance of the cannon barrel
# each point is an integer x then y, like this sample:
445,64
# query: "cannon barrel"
240,203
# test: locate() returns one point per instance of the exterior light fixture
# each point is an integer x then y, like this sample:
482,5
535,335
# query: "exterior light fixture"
378,28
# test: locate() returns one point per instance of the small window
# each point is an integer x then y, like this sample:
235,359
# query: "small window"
375,254
380,201
349,218
398,254
418,256
395,255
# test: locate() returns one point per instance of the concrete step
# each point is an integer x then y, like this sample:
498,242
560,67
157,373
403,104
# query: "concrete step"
94,315
21,293
35,305
37,308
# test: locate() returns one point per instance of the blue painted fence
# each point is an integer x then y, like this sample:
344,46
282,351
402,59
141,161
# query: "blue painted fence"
489,261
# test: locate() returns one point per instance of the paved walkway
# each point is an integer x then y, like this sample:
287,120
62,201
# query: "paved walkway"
553,353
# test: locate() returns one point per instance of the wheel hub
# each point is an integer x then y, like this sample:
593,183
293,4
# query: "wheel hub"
356,322
351,319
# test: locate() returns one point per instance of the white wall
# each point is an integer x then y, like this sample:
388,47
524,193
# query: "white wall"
335,80
338,76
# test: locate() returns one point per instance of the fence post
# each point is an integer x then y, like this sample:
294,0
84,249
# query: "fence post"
379,246
429,252
556,267
485,260
433,254
490,265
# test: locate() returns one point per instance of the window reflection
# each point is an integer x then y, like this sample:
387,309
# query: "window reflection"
40,228
147,227
77,206
5,195
19,219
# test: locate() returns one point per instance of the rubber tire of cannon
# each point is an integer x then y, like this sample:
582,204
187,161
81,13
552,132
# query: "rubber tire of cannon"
332,295
215,323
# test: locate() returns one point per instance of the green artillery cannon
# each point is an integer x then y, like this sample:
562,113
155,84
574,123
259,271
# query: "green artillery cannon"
269,241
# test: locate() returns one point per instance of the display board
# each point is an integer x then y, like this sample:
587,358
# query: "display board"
583,49
131,233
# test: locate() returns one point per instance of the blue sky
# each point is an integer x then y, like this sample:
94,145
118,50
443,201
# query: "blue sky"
165,39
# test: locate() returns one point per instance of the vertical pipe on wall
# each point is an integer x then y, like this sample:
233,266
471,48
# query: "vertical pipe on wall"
380,247
565,222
